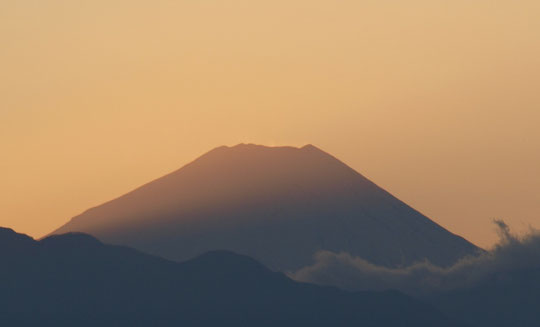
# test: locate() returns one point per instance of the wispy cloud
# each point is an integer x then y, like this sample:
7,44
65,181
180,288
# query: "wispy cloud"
348,272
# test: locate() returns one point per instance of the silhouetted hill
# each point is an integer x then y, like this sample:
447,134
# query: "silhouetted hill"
75,280
279,205
506,298
10,240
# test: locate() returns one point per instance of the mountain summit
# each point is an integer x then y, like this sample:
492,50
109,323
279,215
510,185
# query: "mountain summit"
279,205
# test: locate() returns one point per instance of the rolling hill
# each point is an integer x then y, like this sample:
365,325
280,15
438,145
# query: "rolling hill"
75,280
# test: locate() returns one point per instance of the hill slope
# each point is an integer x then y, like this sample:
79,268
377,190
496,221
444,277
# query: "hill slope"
75,280
279,205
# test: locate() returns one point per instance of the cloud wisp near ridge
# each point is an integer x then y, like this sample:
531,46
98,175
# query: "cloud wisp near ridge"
511,253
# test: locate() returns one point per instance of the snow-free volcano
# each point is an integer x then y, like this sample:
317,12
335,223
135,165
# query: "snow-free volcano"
279,205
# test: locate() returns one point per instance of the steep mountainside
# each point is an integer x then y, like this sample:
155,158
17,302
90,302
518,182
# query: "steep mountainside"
279,205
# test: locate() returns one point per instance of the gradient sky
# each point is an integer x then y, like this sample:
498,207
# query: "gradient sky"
436,101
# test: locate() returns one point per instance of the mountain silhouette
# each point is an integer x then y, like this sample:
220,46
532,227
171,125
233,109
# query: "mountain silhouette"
75,280
279,205
505,298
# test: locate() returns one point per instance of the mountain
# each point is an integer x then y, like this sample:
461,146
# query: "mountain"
75,280
279,205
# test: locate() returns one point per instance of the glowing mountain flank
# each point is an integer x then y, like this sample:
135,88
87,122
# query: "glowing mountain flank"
279,205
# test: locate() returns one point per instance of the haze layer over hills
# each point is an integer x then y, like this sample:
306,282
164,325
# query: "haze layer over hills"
279,205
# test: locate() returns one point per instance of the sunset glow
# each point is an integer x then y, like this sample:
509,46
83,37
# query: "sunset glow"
435,101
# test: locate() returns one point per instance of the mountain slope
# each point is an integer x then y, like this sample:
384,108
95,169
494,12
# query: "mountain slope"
75,280
279,205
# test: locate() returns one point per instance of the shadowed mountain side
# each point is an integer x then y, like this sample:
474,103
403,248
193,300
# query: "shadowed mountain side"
279,205
75,280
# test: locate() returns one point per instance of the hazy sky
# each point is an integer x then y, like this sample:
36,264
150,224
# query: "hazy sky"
436,101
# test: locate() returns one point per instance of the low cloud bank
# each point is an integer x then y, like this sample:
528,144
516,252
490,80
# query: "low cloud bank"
511,253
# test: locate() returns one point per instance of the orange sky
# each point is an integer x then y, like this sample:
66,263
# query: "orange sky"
436,101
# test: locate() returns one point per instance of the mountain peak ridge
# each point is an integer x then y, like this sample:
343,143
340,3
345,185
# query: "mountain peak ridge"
249,145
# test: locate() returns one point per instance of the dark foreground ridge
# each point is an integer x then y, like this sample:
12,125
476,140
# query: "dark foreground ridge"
504,299
75,280
279,205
